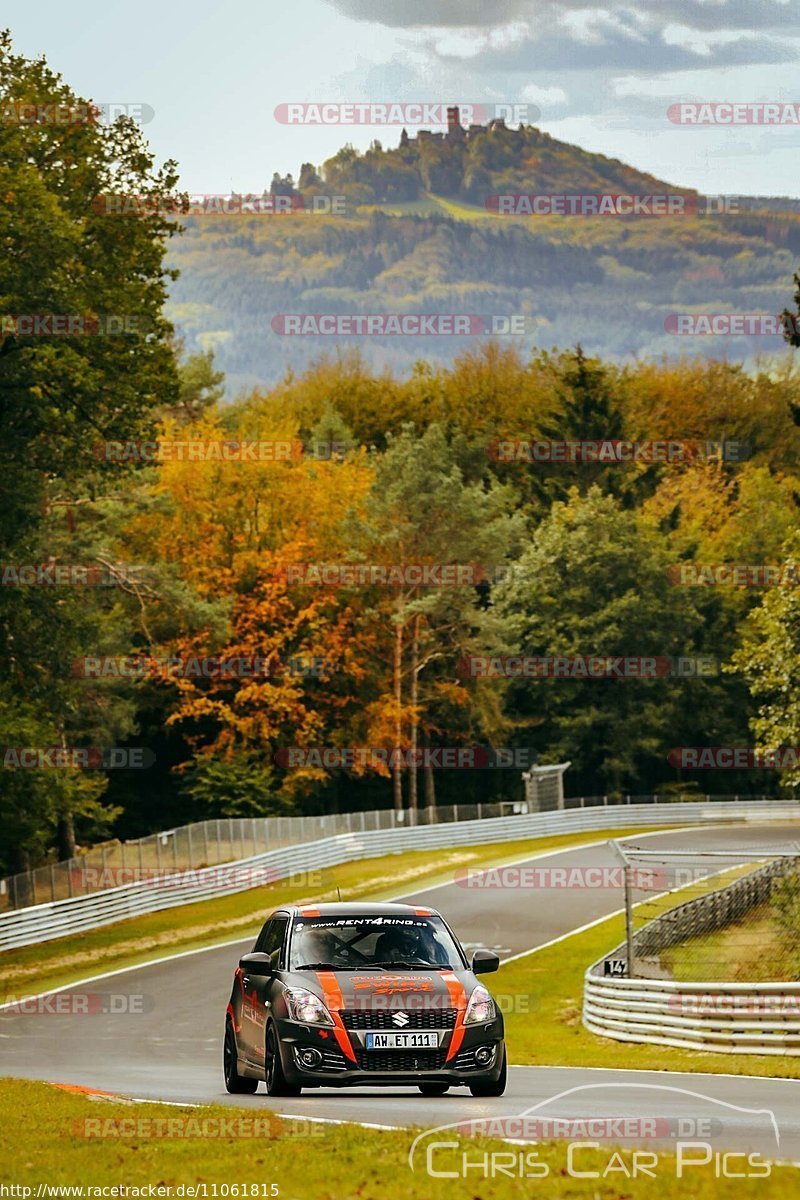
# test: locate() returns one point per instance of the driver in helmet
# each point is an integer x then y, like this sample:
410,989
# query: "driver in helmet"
398,945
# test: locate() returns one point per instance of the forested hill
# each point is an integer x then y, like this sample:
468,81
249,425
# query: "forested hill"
473,164
416,236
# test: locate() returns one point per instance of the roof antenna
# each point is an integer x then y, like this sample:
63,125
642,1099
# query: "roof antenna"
338,893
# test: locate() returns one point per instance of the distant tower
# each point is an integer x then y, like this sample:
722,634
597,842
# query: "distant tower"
455,131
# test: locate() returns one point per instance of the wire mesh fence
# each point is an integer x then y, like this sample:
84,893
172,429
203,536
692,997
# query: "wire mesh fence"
205,844
728,915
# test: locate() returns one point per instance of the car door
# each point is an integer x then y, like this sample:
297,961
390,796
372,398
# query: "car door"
257,989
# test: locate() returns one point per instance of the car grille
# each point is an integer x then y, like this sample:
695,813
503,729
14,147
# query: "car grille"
381,1018
407,1061
332,1060
465,1060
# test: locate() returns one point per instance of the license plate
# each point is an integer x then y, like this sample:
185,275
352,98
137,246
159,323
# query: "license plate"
403,1041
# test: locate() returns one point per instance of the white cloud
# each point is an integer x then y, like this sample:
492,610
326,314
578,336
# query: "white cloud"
690,39
471,42
644,85
507,36
592,26
459,43
534,94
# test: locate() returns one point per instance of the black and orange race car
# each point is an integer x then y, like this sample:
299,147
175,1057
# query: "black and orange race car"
341,995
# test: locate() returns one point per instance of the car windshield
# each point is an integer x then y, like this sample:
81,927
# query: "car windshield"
356,942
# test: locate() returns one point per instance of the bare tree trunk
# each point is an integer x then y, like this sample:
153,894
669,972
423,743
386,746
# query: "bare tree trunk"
66,837
21,892
66,825
412,770
430,787
397,667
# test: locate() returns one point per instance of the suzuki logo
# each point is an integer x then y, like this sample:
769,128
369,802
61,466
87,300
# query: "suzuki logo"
400,1018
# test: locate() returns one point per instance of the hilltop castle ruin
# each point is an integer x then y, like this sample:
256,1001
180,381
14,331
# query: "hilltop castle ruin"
456,131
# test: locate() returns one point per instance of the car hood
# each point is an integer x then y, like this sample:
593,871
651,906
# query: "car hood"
370,988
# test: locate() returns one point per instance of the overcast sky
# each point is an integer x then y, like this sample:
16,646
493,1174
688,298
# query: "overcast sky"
601,76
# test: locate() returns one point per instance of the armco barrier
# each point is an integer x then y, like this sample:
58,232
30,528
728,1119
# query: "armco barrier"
43,922
727,1018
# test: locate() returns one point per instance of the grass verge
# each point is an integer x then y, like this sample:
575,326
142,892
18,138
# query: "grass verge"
133,942
753,950
43,1141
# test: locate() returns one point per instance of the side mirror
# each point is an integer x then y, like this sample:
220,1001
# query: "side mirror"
256,964
483,961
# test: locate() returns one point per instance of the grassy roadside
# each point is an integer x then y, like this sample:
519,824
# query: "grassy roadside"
753,950
551,980
68,1139
130,943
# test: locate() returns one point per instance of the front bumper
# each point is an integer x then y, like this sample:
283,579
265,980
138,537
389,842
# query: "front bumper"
373,1068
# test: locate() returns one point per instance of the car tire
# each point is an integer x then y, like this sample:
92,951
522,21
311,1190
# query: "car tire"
434,1089
234,1082
277,1084
492,1087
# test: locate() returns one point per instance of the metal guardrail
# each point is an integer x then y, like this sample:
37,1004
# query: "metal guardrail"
44,922
228,839
726,1018
723,1017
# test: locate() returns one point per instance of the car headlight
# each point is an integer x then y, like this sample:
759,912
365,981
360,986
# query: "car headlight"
307,1008
480,1008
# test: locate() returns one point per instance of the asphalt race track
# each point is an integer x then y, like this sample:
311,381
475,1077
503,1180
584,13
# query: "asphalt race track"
170,1046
